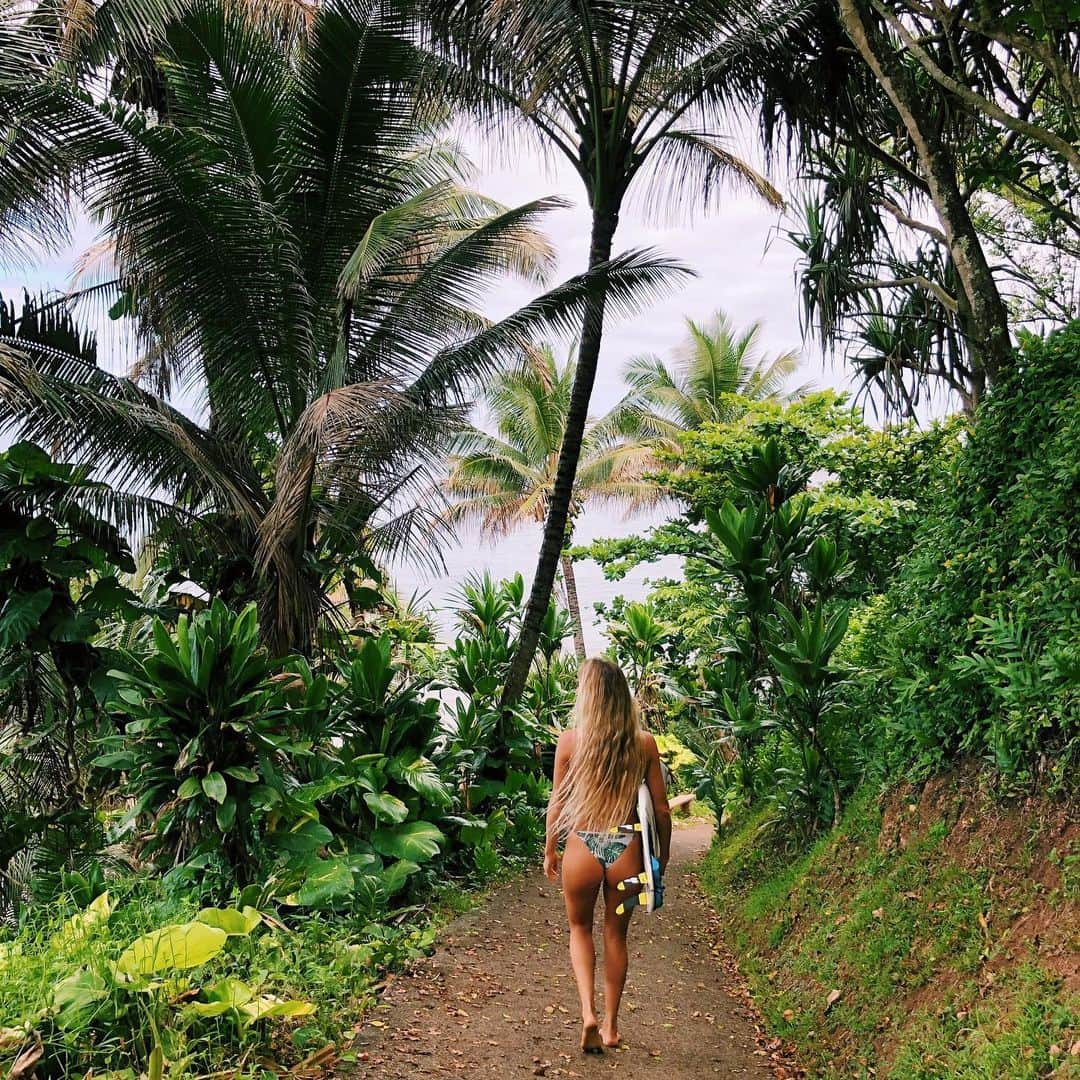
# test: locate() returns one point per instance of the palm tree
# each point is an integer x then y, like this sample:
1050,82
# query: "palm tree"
715,364
626,91
506,480
300,261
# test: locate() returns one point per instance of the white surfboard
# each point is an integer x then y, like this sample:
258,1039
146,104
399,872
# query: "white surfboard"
650,850
650,895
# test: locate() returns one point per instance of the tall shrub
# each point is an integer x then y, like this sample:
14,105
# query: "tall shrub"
980,635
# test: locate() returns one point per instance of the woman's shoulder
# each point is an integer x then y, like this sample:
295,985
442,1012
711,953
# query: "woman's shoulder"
567,739
648,742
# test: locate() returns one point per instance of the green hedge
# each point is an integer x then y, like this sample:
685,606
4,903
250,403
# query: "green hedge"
979,637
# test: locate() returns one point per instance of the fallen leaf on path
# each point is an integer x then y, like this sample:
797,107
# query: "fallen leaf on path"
25,1062
832,999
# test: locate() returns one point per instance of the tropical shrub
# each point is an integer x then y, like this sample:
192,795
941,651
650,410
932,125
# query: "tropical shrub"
368,799
146,986
639,640
978,638
495,755
59,584
203,728
782,629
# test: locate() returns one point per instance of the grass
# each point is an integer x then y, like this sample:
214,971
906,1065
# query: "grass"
333,961
912,937
1024,1033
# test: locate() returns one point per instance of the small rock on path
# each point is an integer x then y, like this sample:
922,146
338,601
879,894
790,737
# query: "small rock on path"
497,999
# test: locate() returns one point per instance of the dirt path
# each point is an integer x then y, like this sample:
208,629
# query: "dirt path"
497,998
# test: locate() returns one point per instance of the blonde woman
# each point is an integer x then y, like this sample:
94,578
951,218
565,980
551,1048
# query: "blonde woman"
599,764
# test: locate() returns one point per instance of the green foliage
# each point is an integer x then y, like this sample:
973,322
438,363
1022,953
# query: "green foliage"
124,983
362,814
317,788
979,634
494,755
777,690
59,584
204,728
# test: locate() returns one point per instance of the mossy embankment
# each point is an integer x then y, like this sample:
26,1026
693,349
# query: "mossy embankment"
934,933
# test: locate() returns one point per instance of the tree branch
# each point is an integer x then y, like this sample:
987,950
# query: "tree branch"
942,295
1041,135
912,223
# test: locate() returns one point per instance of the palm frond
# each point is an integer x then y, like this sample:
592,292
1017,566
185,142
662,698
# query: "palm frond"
89,416
629,280
687,170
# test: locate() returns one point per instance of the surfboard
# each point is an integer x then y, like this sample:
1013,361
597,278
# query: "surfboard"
651,892
650,850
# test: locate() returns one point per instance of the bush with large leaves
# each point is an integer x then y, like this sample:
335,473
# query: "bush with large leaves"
205,738
495,755
312,789
370,800
59,565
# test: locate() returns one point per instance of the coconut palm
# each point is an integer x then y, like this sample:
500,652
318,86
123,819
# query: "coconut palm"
301,263
505,481
713,367
631,93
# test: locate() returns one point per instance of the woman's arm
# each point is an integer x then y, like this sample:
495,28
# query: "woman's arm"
654,778
562,762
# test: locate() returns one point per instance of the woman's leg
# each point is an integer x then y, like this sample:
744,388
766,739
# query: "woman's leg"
582,876
615,927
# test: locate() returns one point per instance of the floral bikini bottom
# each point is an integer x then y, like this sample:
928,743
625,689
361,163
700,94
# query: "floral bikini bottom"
608,845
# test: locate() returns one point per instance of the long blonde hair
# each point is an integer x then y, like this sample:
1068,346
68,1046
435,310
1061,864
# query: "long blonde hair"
608,760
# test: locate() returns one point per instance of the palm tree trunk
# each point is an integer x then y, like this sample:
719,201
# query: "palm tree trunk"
605,221
570,581
988,312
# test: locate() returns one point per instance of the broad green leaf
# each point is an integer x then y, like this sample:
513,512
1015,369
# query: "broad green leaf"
189,788
416,841
328,879
97,911
305,838
242,772
172,948
21,613
226,814
214,786
386,807
235,923
422,776
117,759
265,796
224,995
74,996
393,878
266,1006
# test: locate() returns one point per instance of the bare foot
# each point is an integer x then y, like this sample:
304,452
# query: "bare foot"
609,1036
591,1043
